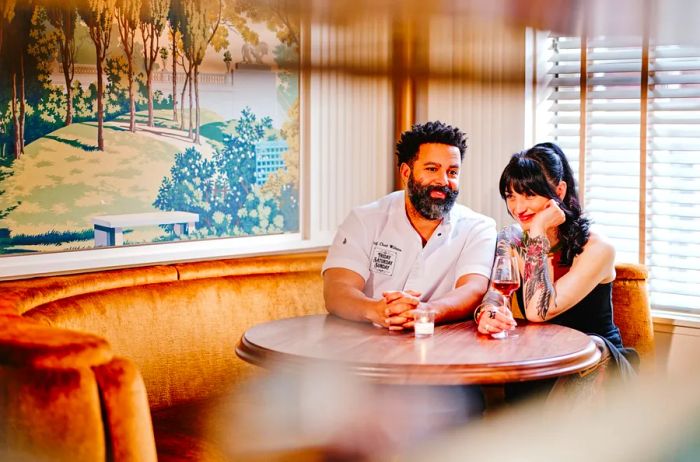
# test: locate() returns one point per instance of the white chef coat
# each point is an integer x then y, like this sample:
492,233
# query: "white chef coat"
378,242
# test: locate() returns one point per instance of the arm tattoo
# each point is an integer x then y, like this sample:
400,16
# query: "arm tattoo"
536,277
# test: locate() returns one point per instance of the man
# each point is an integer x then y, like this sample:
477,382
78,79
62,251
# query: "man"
413,248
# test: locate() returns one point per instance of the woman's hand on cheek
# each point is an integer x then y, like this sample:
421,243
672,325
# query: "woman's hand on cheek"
548,218
553,215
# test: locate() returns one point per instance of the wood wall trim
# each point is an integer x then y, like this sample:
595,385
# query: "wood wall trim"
583,119
643,133
404,51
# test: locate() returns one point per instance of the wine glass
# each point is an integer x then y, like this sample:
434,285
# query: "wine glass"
505,279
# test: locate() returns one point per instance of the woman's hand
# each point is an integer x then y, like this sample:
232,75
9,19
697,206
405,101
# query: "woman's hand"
494,319
548,218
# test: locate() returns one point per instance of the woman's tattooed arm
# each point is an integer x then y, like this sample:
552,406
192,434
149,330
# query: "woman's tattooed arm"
537,282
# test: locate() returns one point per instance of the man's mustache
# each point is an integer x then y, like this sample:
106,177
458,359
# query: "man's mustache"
446,190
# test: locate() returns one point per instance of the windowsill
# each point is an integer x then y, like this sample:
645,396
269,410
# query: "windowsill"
48,264
667,320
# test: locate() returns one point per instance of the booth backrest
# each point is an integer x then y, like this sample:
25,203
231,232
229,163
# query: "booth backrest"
632,310
182,335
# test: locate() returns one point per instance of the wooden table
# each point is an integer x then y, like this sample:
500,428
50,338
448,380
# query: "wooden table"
456,354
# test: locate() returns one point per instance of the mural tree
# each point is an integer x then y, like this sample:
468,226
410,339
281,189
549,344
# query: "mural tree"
17,40
98,16
175,26
175,38
186,61
31,105
227,61
202,20
164,58
235,18
176,20
237,159
64,18
5,211
154,17
280,16
127,16
284,183
7,12
222,191
191,176
188,67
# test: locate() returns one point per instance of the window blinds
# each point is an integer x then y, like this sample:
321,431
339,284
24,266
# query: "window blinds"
619,140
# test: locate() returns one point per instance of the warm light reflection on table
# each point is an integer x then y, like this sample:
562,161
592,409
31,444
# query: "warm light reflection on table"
455,354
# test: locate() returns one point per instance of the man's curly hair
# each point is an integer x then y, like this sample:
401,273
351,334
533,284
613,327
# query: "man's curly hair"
429,132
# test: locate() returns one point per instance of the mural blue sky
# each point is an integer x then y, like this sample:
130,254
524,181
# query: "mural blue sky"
144,121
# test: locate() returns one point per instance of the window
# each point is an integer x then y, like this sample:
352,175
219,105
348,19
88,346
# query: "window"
336,103
631,127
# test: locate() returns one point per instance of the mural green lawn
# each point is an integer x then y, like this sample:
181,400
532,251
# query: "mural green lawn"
214,132
165,126
62,181
164,118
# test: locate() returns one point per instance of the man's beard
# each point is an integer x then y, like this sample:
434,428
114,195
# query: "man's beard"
430,207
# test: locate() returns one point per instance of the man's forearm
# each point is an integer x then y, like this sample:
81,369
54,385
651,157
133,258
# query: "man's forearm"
349,303
459,303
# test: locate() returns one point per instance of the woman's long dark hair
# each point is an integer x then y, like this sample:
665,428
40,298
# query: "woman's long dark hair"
538,171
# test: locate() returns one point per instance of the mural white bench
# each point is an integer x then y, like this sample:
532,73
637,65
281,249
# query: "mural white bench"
109,228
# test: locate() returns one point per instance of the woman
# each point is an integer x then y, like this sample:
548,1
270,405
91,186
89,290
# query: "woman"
567,270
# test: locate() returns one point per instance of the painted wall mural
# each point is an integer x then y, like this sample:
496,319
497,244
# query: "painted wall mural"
144,121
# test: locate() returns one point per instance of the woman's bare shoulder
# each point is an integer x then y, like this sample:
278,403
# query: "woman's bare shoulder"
600,245
600,253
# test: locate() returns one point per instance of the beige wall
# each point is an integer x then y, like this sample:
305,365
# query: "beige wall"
348,120
480,87
677,346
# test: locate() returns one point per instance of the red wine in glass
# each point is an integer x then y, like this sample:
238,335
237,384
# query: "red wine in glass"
506,288
505,279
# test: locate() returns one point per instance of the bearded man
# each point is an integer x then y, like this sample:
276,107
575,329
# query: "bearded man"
413,248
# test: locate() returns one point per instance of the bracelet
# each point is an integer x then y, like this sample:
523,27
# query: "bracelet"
478,313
